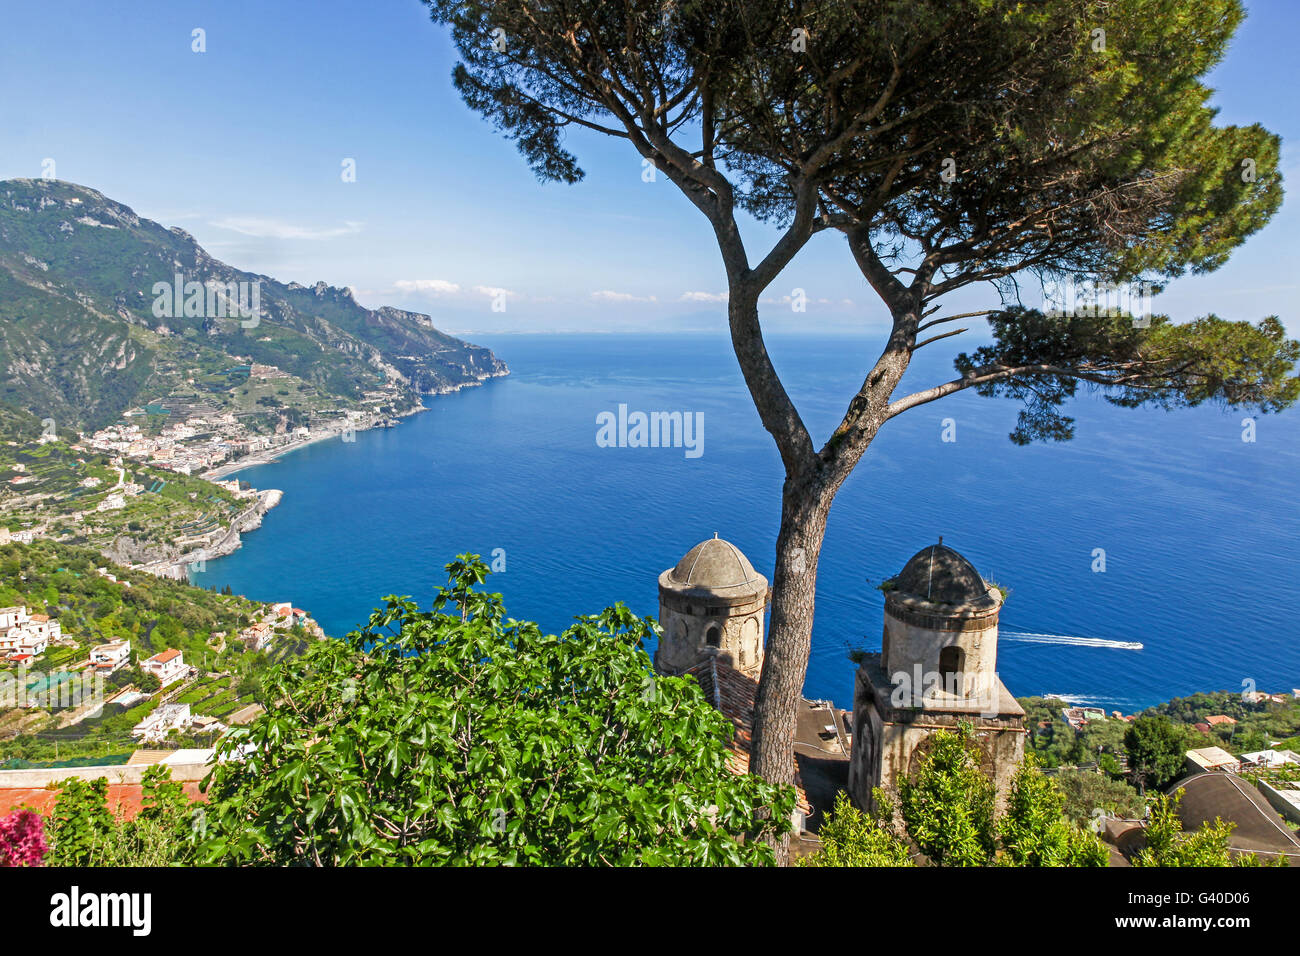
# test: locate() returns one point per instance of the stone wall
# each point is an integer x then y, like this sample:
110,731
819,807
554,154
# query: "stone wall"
688,622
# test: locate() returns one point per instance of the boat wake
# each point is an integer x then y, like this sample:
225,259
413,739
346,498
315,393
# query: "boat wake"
1030,637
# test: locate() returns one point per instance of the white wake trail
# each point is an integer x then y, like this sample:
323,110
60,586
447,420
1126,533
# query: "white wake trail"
1031,637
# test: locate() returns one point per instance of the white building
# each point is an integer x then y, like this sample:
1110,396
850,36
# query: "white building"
258,636
12,617
109,658
17,641
164,719
1271,758
169,666
1212,758
40,625
23,633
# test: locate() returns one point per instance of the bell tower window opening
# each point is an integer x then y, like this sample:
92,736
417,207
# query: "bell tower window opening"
952,660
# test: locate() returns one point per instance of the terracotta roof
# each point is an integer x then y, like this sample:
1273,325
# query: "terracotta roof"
39,618
124,799
734,694
1216,719
165,656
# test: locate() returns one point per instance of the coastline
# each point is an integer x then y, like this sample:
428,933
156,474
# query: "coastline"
222,472
254,459
251,518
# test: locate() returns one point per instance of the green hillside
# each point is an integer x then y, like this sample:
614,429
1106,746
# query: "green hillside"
154,614
85,332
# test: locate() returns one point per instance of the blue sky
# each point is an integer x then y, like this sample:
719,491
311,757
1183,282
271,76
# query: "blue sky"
243,147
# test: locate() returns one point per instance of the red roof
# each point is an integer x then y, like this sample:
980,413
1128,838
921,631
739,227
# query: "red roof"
1216,719
165,656
734,695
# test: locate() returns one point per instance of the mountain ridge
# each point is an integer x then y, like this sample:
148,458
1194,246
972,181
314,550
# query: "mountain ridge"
86,333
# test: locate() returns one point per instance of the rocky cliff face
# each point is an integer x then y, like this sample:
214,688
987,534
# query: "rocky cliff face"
85,331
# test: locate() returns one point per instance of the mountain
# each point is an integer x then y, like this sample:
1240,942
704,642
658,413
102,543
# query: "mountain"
91,323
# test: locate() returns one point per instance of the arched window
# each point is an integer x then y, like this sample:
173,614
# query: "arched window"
714,636
952,660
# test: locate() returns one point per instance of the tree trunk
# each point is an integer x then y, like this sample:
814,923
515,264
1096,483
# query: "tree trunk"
805,502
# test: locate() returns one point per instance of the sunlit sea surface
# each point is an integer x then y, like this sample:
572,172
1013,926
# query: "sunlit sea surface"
1199,528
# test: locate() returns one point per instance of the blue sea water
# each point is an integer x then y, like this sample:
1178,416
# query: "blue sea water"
1199,528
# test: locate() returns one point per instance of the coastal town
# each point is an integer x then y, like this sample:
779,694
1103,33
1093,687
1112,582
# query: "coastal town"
104,486
198,438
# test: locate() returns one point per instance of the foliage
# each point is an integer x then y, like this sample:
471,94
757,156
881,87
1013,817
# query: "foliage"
153,613
456,736
85,832
850,837
1086,791
1257,721
1156,749
1035,832
948,807
81,823
1168,845
22,838
1166,365
948,815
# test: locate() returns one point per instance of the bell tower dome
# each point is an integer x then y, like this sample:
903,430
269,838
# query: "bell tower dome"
936,670
942,615
711,603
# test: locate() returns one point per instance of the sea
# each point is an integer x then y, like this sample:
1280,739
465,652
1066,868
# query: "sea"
1153,556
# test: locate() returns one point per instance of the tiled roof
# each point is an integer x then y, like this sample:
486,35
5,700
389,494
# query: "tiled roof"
734,694
165,656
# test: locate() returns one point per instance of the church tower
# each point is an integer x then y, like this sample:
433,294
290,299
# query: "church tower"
712,603
936,670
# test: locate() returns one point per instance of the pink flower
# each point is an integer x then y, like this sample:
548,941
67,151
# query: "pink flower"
22,839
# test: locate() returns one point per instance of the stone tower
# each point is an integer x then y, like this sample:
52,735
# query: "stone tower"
712,603
937,669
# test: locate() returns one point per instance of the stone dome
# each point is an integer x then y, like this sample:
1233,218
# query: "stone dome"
715,568
939,575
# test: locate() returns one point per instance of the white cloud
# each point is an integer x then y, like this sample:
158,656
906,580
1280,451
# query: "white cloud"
606,295
431,286
495,292
278,229
704,297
